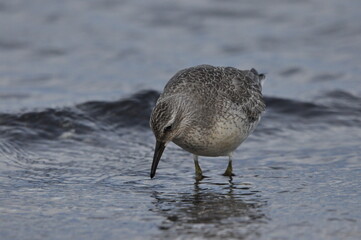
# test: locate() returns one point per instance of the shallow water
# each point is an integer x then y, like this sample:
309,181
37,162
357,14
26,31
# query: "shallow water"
75,160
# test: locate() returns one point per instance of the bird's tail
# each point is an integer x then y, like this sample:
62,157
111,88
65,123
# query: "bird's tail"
261,76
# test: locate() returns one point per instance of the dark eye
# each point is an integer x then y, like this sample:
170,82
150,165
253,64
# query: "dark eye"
167,128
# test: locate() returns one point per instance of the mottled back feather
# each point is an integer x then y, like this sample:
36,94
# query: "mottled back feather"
242,88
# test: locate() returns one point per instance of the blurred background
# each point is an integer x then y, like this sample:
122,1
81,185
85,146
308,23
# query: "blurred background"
78,80
56,53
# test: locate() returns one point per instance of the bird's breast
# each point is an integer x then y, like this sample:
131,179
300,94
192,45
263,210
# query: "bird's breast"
220,139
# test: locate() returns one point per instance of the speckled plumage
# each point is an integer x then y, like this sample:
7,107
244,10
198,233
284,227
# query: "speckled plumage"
209,111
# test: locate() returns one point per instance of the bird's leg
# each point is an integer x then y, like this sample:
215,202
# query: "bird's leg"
229,169
198,169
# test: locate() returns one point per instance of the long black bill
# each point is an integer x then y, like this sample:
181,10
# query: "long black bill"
159,148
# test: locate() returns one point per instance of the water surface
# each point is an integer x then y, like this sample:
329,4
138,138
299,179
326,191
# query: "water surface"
78,80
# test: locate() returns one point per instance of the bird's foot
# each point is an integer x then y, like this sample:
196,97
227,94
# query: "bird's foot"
198,170
199,174
228,174
199,177
229,170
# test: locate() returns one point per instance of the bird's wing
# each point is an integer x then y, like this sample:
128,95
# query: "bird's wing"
246,91
190,80
207,82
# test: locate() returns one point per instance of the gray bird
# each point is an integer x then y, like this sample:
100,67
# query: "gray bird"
207,111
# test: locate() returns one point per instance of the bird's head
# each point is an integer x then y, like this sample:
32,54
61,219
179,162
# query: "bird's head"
167,123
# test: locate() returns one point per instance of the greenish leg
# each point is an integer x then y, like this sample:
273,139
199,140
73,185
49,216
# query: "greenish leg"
198,169
229,170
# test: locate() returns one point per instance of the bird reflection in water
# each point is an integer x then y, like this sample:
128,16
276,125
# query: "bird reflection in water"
230,211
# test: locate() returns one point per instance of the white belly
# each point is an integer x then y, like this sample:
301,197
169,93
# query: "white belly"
222,139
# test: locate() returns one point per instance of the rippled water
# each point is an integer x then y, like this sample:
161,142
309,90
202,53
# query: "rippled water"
75,161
